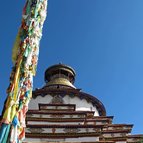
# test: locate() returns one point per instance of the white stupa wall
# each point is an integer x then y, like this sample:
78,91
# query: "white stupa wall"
81,104
70,140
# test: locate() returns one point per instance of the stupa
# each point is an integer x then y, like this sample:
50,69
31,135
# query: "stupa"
60,112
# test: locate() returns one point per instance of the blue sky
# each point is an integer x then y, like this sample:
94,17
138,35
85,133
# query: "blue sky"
101,39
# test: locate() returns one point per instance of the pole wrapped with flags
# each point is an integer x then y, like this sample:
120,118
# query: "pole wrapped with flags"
25,58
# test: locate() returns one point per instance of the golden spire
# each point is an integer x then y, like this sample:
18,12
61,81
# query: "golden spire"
60,74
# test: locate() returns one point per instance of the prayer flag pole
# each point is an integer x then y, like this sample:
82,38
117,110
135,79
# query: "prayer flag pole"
25,58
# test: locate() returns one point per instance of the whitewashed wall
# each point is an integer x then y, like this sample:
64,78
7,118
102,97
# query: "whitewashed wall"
81,139
81,105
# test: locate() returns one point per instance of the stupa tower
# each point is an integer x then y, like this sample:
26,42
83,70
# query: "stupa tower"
60,112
